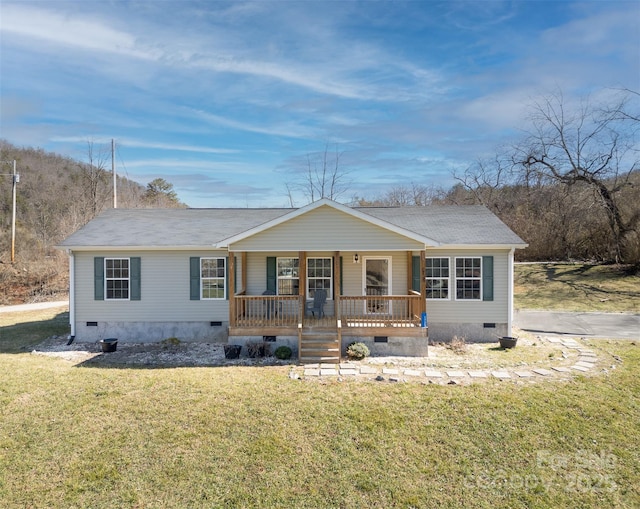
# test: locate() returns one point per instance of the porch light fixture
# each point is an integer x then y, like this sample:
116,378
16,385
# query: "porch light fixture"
356,258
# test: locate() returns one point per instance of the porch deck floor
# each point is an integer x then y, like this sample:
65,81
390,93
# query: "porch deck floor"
330,322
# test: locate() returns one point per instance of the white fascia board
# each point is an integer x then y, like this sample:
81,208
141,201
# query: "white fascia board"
337,206
342,250
140,248
480,246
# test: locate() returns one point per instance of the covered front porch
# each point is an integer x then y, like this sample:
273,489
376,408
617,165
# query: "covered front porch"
375,315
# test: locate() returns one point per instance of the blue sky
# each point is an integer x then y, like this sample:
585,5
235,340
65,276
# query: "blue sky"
226,100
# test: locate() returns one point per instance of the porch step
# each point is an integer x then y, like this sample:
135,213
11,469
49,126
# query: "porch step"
319,347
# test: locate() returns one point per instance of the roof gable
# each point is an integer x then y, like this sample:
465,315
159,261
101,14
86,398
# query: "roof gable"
325,228
338,216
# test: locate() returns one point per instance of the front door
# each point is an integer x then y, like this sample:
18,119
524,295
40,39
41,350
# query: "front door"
377,282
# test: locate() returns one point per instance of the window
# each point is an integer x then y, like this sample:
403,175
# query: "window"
319,276
468,278
212,278
288,272
116,279
437,278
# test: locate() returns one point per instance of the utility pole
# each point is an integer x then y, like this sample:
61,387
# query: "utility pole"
15,178
113,170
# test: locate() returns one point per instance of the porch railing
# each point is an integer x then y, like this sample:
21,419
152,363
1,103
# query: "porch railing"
266,310
381,310
354,311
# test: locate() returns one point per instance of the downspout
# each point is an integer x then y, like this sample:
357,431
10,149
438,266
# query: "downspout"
510,290
72,296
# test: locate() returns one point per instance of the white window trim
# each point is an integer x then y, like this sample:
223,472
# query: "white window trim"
224,278
448,297
455,279
278,278
106,279
330,291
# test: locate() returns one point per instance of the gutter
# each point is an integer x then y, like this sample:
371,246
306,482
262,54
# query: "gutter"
72,295
510,293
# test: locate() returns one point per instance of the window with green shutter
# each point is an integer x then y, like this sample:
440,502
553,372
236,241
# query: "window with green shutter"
117,278
437,278
468,276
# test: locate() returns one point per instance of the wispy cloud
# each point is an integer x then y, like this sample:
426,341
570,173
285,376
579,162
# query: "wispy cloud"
134,143
172,50
287,129
234,95
79,32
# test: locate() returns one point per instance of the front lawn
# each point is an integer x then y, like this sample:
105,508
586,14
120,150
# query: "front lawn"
83,436
577,287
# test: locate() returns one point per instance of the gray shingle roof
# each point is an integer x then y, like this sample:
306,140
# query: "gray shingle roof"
467,224
168,227
157,228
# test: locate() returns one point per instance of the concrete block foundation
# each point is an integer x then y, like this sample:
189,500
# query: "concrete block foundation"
151,332
470,332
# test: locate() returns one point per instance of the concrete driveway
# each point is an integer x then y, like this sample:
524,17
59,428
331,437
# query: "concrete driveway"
596,325
34,306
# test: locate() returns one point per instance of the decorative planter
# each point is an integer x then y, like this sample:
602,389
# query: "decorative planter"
508,342
109,344
232,351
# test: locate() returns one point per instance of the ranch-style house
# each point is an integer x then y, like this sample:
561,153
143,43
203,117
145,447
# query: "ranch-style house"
314,278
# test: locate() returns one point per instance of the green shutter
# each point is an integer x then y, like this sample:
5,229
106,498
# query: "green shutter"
271,274
194,271
341,290
226,277
487,278
98,278
134,275
415,274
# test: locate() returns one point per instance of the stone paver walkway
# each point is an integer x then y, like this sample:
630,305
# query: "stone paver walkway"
587,360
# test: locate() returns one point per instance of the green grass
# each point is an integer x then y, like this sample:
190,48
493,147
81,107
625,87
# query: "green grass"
81,436
91,436
21,331
577,287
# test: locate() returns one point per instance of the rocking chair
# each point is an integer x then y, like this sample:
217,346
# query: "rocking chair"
319,300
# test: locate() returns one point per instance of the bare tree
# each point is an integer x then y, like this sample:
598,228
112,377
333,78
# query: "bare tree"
413,195
589,146
324,177
484,181
95,179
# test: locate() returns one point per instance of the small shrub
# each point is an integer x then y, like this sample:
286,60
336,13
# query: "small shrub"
258,349
458,345
358,351
283,353
170,342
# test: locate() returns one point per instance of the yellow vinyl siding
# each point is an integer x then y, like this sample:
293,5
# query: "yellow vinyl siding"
325,229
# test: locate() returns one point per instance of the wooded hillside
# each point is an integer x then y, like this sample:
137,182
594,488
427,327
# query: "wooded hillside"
570,189
55,196
570,186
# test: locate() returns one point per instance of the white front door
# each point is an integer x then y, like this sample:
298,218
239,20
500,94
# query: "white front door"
377,281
